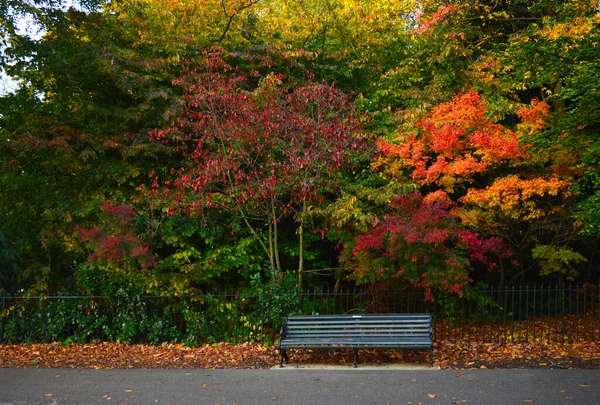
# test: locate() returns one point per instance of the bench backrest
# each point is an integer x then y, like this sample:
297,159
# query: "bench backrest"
398,326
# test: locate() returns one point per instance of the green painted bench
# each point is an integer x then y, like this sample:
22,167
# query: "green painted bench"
369,331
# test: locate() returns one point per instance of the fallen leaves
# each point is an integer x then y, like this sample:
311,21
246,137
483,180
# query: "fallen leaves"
464,354
121,356
448,355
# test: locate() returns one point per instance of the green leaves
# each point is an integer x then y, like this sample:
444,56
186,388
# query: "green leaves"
557,259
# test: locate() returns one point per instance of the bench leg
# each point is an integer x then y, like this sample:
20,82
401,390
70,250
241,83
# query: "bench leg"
355,357
283,355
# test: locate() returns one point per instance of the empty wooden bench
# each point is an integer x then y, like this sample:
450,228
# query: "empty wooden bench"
371,331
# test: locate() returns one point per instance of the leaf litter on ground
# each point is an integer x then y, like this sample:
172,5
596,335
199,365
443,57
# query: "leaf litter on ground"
447,355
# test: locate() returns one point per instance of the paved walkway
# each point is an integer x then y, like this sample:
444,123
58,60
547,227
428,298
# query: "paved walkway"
299,386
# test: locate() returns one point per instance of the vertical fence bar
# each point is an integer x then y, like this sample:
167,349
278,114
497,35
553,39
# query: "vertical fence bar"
563,304
584,311
505,309
470,316
2,316
597,310
512,313
500,316
577,316
491,311
549,305
570,314
526,312
520,313
583,328
477,322
593,328
463,319
556,299
534,319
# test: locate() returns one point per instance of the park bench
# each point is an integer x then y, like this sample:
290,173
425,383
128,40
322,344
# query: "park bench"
369,331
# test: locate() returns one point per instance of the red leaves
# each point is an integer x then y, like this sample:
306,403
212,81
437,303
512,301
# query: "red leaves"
421,242
254,145
425,25
115,242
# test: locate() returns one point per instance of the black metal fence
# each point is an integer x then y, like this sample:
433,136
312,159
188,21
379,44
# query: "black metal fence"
569,313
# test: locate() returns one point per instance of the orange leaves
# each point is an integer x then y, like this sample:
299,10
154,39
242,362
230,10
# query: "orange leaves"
456,141
425,25
534,118
515,196
457,146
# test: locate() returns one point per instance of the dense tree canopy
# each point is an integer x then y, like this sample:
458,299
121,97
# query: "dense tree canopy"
169,147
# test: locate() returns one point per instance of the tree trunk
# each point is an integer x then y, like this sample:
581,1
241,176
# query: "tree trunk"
559,104
275,236
301,245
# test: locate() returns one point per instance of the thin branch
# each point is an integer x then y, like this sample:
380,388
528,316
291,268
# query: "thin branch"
232,16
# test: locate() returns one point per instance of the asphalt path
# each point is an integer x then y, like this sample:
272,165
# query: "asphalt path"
296,386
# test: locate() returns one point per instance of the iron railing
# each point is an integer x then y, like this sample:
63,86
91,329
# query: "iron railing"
568,313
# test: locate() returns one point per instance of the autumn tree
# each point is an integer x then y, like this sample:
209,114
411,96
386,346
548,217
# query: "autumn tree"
70,137
420,241
554,60
260,154
502,185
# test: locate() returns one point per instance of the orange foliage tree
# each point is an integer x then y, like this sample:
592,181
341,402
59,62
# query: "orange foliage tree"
498,182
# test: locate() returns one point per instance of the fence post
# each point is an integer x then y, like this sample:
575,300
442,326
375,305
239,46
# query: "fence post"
2,316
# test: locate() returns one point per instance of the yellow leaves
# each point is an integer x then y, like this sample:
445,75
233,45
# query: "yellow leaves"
518,198
176,25
557,259
349,27
569,30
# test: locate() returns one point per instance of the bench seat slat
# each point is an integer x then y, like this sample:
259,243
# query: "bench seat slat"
359,316
358,336
377,344
350,341
360,323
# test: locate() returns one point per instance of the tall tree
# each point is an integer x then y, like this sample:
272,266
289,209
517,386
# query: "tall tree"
260,154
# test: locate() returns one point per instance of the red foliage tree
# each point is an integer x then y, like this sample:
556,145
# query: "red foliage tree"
259,153
420,241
